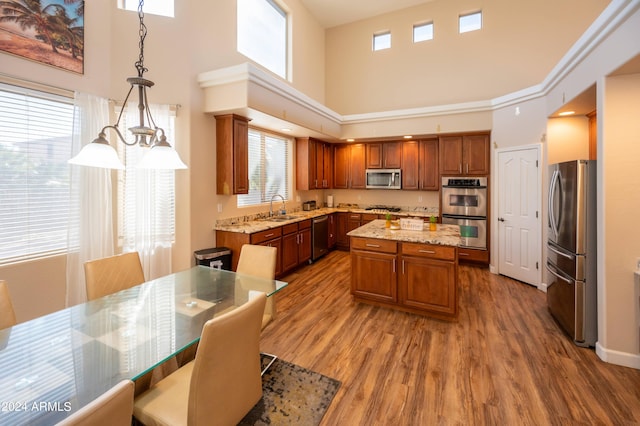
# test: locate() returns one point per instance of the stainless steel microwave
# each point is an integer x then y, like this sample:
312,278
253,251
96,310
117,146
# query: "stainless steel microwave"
384,178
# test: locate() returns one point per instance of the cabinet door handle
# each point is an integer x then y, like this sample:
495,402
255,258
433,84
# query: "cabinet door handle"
373,245
463,254
427,251
394,266
301,238
467,168
269,235
460,168
402,266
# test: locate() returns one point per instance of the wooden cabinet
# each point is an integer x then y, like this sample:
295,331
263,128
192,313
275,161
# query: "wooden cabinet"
357,167
414,277
464,155
296,244
367,217
373,269
333,236
271,238
304,246
277,243
314,165
345,222
232,152
349,166
411,165
420,165
292,240
428,278
384,155
429,173
341,154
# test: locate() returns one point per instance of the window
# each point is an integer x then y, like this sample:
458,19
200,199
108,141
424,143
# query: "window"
35,143
154,7
470,22
146,198
268,168
423,32
262,34
382,41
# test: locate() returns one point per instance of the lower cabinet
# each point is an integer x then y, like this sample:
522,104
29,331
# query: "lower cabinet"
296,244
414,277
333,228
373,276
293,242
277,243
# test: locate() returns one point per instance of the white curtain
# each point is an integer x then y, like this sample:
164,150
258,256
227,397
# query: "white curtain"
90,232
146,218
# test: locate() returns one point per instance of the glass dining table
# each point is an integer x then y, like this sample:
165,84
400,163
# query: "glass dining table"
53,365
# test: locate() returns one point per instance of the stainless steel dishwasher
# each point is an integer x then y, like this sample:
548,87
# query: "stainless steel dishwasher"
320,237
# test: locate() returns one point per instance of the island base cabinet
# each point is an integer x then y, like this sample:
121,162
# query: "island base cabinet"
429,285
373,276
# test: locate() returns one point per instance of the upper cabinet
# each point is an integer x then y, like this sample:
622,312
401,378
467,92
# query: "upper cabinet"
232,152
420,165
464,155
349,166
384,155
314,164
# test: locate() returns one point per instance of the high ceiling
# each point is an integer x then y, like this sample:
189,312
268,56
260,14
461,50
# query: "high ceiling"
331,13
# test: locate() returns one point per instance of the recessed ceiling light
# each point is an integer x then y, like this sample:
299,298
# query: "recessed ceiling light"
350,140
285,129
562,114
408,136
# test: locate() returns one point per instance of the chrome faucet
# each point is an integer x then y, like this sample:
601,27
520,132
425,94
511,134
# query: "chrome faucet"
283,211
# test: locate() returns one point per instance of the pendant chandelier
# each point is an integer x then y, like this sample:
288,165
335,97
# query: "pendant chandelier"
99,153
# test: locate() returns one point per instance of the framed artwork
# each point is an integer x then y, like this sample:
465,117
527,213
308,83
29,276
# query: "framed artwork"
46,31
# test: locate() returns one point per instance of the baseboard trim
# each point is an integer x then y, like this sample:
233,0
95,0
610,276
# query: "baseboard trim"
618,358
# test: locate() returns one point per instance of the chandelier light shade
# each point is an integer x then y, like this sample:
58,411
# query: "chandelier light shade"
99,153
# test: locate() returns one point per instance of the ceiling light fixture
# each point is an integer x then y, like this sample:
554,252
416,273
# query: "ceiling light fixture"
563,114
161,155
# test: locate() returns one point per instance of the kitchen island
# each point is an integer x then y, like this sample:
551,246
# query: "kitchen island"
413,271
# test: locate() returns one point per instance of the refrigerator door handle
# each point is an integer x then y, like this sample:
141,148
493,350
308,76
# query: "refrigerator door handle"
554,273
556,251
552,193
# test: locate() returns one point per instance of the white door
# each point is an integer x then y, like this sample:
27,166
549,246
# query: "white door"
519,214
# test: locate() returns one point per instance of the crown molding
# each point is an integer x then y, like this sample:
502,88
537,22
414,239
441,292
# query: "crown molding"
608,21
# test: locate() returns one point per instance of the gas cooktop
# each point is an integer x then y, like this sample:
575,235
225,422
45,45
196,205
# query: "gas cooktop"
383,209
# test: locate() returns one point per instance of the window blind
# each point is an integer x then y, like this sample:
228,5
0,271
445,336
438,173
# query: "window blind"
268,168
140,191
35,143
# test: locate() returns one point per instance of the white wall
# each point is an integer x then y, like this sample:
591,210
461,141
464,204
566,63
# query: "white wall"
518,46
618,155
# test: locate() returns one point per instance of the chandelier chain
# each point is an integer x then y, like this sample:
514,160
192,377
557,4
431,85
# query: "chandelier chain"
143,34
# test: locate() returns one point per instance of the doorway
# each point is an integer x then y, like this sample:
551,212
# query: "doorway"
519,213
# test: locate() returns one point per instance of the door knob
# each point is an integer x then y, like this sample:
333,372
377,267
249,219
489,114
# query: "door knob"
501,219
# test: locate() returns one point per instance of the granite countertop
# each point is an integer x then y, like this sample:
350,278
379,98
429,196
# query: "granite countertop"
262,224
447,235
252,225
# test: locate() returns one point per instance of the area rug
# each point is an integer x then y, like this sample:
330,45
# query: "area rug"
292,395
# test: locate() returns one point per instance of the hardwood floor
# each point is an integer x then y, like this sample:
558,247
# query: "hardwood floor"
503,362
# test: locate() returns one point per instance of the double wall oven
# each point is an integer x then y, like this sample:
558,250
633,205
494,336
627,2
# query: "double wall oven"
464,203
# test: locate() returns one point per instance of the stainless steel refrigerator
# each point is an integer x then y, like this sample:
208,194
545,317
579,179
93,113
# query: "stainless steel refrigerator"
571,249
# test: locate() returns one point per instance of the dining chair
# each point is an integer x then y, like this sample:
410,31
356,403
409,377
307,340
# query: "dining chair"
7,314
112,274
112,408
260,261
222,384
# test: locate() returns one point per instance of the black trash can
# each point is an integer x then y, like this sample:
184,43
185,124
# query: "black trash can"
217,257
